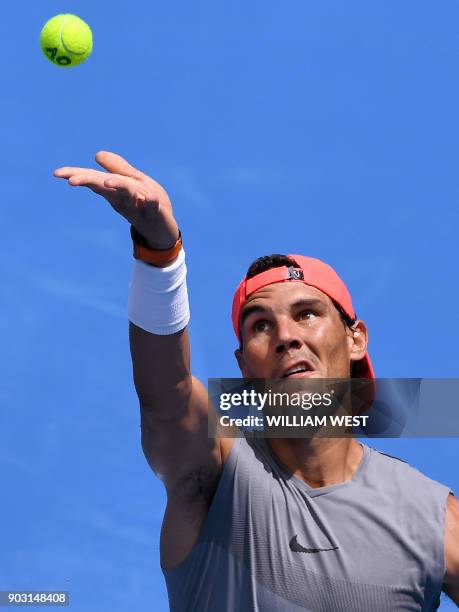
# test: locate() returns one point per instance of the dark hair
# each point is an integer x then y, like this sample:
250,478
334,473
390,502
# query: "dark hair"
277,260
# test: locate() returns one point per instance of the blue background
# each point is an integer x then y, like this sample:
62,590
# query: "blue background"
328,129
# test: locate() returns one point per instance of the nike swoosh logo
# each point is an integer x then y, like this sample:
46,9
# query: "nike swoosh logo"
295,547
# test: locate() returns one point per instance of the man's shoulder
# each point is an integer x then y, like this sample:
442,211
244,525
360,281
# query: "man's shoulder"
400,472
388,459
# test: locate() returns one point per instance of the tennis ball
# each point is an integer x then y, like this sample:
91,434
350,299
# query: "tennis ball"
66,40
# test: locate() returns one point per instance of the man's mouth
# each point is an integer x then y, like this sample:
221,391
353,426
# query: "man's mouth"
300,369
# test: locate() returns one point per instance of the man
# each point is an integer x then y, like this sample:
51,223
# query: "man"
284,524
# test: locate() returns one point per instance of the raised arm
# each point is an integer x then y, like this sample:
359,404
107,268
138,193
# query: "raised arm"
173,403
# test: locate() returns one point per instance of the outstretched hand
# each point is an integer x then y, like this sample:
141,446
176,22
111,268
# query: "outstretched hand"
133,194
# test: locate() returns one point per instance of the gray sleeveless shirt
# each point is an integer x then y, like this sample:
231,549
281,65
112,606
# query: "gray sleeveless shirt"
272,543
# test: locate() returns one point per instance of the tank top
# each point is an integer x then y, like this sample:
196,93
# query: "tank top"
272,543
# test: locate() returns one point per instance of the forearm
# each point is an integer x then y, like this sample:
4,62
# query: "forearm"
161,368
159,313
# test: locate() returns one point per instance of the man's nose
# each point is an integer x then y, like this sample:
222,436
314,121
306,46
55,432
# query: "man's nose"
287,335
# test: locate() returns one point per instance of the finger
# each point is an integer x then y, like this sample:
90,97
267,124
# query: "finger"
67,171
108,185
116,164
87,177
119,196
93,182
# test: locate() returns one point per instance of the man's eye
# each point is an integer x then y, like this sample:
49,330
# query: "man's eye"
259,325
306,314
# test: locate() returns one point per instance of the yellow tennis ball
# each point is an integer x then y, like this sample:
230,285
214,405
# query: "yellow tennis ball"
66,40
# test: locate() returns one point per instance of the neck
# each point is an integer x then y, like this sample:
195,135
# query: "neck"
319,461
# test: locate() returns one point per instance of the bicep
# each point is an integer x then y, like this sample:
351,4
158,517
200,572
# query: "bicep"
178,446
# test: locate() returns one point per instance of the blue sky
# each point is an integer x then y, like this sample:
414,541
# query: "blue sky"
328,129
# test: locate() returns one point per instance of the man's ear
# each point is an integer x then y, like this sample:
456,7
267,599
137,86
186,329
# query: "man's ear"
358,341
241,363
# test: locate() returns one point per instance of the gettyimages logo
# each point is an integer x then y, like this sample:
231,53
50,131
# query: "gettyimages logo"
301,407
270,398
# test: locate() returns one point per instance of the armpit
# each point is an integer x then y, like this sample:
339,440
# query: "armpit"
198,485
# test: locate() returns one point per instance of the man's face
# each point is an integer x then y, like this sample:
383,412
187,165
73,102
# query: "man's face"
290,323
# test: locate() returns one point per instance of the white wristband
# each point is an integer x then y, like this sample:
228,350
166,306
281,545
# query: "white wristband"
158,297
